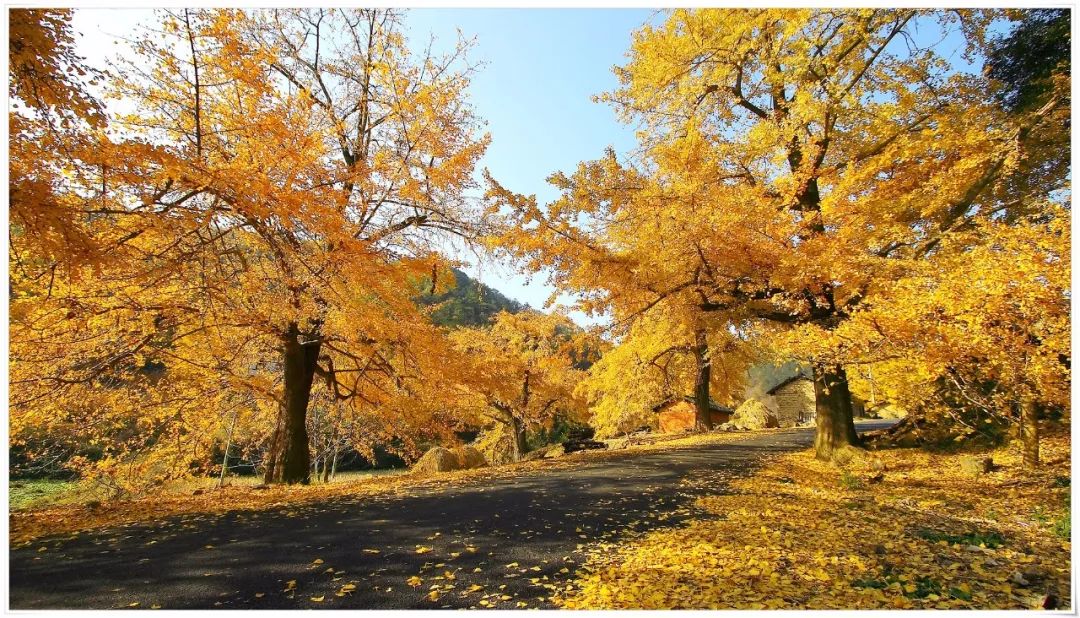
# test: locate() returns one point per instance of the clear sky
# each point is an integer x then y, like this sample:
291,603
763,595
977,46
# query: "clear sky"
540,69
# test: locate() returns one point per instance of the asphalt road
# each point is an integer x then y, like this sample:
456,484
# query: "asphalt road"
515,537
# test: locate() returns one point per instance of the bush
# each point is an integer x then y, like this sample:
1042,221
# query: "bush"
850,481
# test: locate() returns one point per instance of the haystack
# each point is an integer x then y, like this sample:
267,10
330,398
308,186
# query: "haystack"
436,460
753,414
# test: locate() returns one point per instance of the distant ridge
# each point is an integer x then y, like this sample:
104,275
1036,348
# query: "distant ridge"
469,303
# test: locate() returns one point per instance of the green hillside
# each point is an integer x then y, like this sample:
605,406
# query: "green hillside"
469,303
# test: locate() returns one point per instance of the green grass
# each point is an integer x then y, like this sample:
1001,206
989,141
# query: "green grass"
30,494
924,586
37,493
850,481
988,539
1061,525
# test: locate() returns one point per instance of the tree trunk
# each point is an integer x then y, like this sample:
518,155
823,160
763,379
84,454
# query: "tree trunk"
228,445
833,411
518,429
702,407
1029,432
333,466
289,460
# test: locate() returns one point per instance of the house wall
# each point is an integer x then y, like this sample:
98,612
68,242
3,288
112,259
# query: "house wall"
717,417
795,403
679,417
676,417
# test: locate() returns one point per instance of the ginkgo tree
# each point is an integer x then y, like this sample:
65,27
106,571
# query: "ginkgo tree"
821,154
656,358
611,240
53,122
523,371
985,326
283,179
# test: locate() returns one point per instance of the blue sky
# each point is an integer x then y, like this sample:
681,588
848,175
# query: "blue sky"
540,69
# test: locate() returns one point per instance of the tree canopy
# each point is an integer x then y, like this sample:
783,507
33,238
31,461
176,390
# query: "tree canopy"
794,166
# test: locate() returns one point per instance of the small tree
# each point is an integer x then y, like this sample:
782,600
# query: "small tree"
522,370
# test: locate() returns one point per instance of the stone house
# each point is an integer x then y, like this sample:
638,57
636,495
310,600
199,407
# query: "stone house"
795,401
677,414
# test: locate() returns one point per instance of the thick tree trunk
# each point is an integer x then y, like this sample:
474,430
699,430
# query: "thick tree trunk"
518,429
1029,432
289,460
702,409
833,413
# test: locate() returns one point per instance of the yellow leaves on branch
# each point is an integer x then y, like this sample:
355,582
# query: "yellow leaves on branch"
523,368
156,275
794,175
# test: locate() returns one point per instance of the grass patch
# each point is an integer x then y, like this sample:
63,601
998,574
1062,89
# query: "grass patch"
31,494
26,494
1063,526
992,540
920,587
850,481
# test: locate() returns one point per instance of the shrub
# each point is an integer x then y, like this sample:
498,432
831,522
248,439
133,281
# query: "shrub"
850,481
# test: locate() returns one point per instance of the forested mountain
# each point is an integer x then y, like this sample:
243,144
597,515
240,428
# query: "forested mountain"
469,303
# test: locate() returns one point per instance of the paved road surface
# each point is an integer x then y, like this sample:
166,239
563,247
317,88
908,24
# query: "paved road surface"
538,521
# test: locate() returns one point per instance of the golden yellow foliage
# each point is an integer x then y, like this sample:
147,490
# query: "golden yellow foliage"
264,221
53,125
795,165
522,370
804,534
